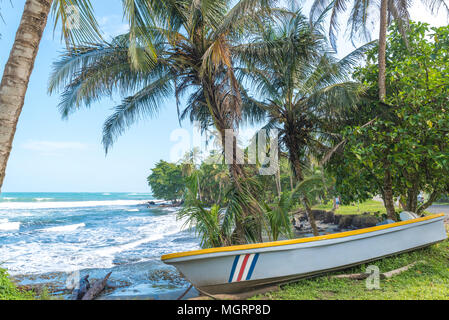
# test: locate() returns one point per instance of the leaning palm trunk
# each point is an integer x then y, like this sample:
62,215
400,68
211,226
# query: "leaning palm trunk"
305,201
246,224
17,73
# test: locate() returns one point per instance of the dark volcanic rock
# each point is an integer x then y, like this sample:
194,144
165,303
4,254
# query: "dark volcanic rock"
343,221
329,217
319,214
337,218
346,221
364,221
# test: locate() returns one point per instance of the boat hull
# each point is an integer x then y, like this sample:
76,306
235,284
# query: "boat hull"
242,268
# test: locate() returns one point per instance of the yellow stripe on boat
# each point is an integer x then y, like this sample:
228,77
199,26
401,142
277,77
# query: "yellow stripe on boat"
295,241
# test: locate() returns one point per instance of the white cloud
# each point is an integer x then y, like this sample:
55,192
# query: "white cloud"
112,26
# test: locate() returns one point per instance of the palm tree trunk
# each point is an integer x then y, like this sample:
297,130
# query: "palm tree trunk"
305,201
277,178
291,181
199,186
382,50
238,177
16,75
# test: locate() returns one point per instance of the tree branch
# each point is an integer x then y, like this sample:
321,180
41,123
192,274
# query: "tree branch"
433,197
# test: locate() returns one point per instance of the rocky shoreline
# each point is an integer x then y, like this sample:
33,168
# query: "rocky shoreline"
328,221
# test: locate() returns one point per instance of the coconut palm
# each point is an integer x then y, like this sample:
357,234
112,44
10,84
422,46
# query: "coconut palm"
20,64
194,44
363,14
301,86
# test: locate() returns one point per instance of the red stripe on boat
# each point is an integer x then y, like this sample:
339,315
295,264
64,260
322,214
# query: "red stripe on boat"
242,269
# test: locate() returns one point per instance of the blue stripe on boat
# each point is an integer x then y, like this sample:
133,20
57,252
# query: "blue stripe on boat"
253,265
234,265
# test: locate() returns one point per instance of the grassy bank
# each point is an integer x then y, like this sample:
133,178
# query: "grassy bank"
368,206
427,280
9,291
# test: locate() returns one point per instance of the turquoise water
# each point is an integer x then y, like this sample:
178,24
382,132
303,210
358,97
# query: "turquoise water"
53,238
71,196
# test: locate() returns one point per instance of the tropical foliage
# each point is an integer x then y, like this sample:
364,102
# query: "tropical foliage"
409,133
230,63
193,42
166,181
302,88
364,15
212,225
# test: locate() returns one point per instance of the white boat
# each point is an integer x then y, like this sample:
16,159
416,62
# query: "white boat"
246,267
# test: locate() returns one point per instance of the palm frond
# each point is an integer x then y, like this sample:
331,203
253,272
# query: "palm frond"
145,103
78,22
242,9
436,5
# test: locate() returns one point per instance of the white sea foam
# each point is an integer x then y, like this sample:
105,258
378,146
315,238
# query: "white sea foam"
133,210
73,204
71,227
108,251
171,209
43,199
5,225
94,245
162,227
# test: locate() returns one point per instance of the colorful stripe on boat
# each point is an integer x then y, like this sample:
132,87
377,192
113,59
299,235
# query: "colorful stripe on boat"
243,267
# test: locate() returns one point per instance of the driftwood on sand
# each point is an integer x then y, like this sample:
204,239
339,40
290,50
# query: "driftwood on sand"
78,294
96,288
89,291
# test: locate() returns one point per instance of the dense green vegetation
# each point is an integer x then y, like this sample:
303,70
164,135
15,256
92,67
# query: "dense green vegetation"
166,181
343,131
9,291
397,148
405,150
428,279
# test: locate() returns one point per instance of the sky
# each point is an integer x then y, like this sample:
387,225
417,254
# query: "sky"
54,155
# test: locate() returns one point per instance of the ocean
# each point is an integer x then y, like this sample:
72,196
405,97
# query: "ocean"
53,239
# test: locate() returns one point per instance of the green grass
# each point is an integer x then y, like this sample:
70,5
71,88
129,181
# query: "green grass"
9,291
368,206
424,281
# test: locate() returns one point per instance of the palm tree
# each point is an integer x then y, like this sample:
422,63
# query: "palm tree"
20,64
361,16
358,25
302,87
194,44
189,166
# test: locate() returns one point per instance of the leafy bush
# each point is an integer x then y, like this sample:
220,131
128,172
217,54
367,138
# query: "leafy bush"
9,291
